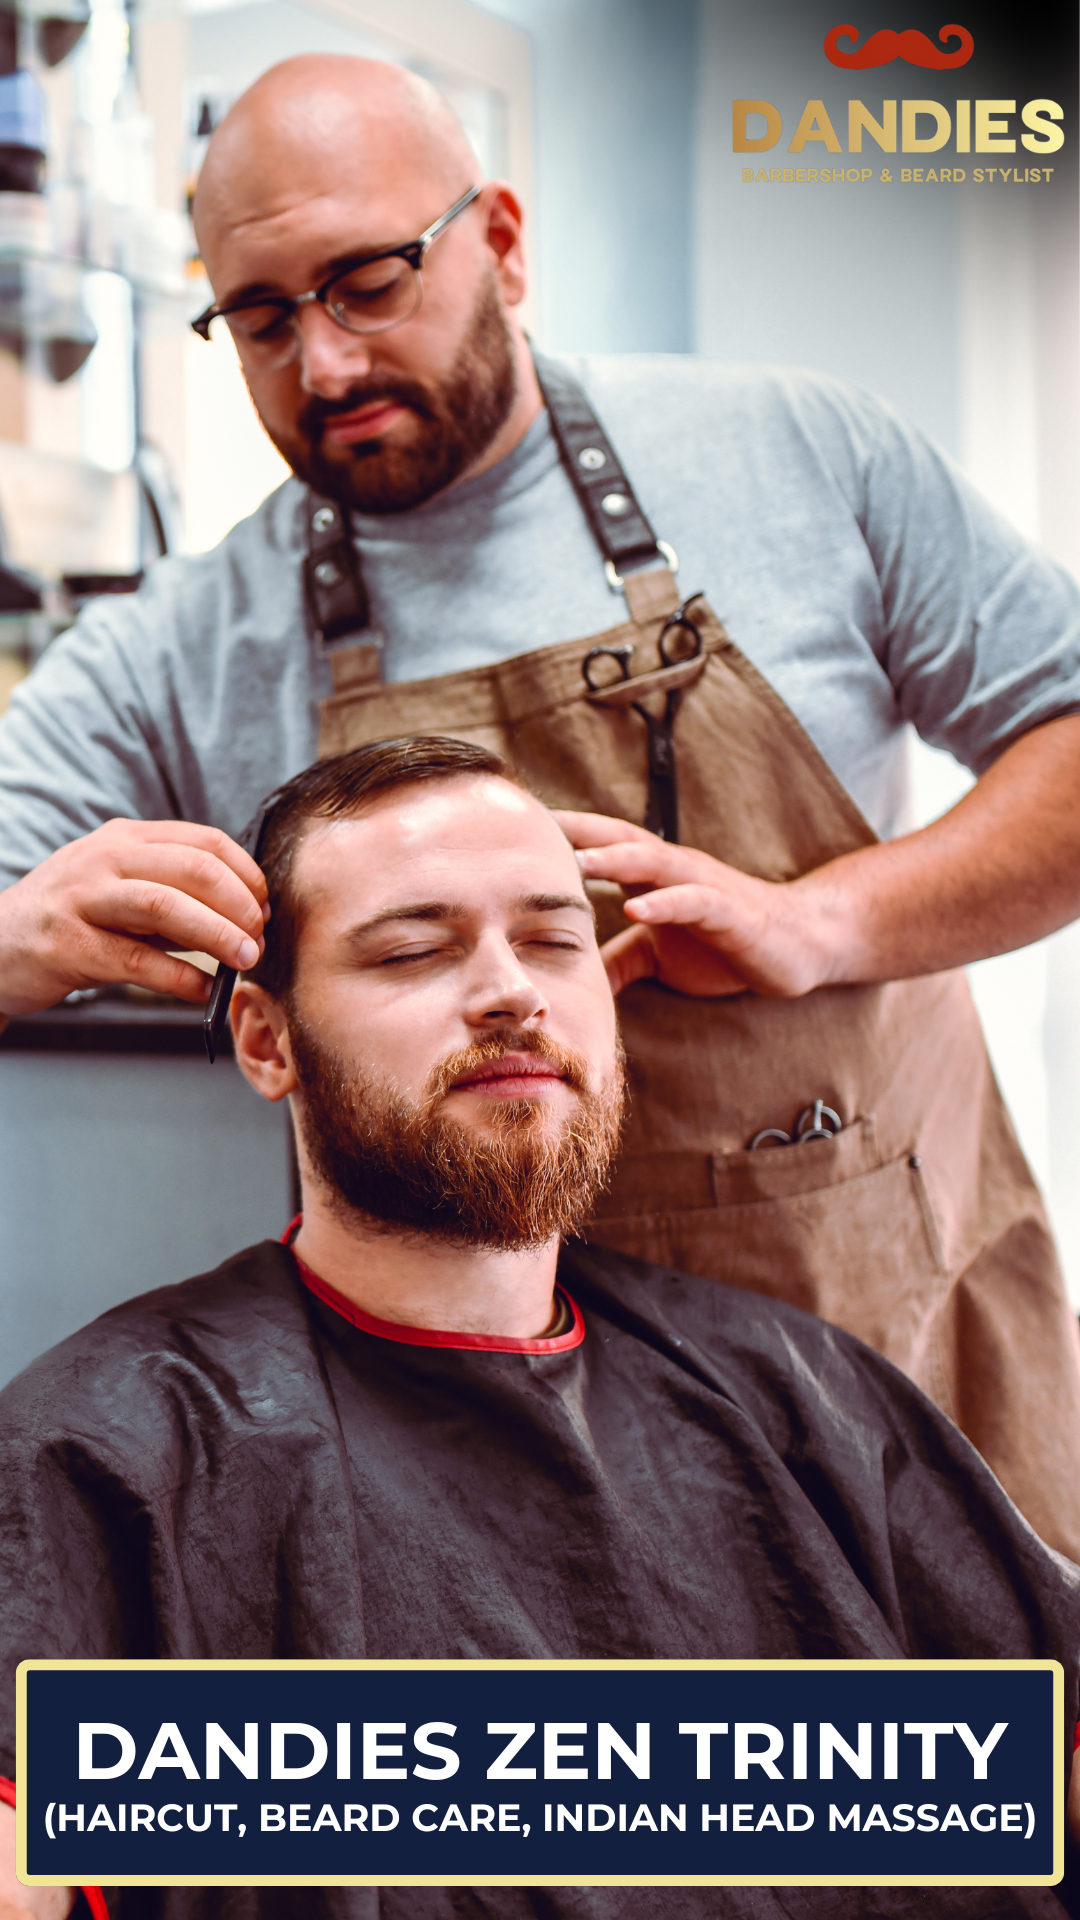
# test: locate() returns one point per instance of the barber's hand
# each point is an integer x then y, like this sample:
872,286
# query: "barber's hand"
105,910
26,1903
701,927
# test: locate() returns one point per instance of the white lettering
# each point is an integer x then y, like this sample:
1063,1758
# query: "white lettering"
927,1731
838,1819
830,1742
376,1750
954,1818
500,1768
703,1731
218,1743
763,1757
423,1743
168,1735
88,1729
556,1750
980,1755
609,1742
280,1731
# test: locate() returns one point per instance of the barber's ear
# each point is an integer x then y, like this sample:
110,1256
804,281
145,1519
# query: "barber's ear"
505,220
261,1041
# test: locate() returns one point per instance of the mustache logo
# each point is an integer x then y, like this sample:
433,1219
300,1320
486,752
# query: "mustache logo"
911,45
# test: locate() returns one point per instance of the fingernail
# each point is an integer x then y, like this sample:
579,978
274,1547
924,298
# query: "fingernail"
248,953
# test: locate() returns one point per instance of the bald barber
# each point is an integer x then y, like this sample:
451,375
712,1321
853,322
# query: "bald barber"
482,541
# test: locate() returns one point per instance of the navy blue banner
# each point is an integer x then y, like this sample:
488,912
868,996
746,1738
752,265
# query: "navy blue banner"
543,1772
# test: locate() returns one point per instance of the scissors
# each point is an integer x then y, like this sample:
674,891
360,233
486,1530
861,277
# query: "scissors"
818,1122
671,677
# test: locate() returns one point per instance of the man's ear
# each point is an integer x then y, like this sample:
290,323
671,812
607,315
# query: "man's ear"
261,1041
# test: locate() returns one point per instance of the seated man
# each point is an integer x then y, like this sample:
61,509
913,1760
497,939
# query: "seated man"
430,1424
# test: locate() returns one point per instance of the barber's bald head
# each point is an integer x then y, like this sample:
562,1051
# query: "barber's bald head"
330,125
327,159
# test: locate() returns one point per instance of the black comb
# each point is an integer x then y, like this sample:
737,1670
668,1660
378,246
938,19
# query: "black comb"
216,1011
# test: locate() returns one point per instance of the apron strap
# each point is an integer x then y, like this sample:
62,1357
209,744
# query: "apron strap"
333,585
616,520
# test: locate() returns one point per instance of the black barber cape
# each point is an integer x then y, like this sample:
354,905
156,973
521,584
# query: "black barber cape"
230,1468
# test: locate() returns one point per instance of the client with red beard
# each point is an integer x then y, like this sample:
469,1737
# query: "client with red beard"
434,1425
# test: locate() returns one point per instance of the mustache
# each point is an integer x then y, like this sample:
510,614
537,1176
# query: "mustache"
911,45
570,1066
317,411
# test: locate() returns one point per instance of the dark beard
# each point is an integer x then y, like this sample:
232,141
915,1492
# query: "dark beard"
405,1166
455,422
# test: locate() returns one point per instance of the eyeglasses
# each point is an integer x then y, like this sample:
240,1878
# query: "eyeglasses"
371,293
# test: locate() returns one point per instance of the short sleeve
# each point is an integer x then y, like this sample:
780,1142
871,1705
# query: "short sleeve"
981,627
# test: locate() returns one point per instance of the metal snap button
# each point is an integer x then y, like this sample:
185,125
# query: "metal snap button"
323,519
615,504
327,574
592,458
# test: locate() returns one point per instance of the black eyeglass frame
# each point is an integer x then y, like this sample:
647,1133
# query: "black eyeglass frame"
411,251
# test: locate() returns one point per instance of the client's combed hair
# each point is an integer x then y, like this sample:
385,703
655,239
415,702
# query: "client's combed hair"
339,789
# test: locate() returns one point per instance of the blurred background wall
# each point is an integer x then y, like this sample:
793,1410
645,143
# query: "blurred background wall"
613,120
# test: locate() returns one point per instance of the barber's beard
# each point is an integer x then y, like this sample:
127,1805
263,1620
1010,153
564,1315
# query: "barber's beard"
404,1166
453,424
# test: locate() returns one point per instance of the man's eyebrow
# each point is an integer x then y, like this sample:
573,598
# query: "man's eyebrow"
441,910
556,903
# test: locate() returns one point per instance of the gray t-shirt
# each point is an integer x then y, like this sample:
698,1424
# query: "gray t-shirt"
849,559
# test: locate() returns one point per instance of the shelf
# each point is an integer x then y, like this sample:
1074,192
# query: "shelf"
116,1020
61,276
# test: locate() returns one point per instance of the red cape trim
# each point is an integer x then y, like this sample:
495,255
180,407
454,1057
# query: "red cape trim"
95,1899
431,1336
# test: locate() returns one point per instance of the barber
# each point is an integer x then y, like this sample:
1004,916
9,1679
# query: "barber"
460,512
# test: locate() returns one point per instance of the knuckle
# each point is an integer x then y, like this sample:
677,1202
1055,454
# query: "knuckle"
139,959
156,901
120,831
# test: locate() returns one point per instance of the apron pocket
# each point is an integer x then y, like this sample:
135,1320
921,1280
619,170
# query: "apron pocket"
825,1226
